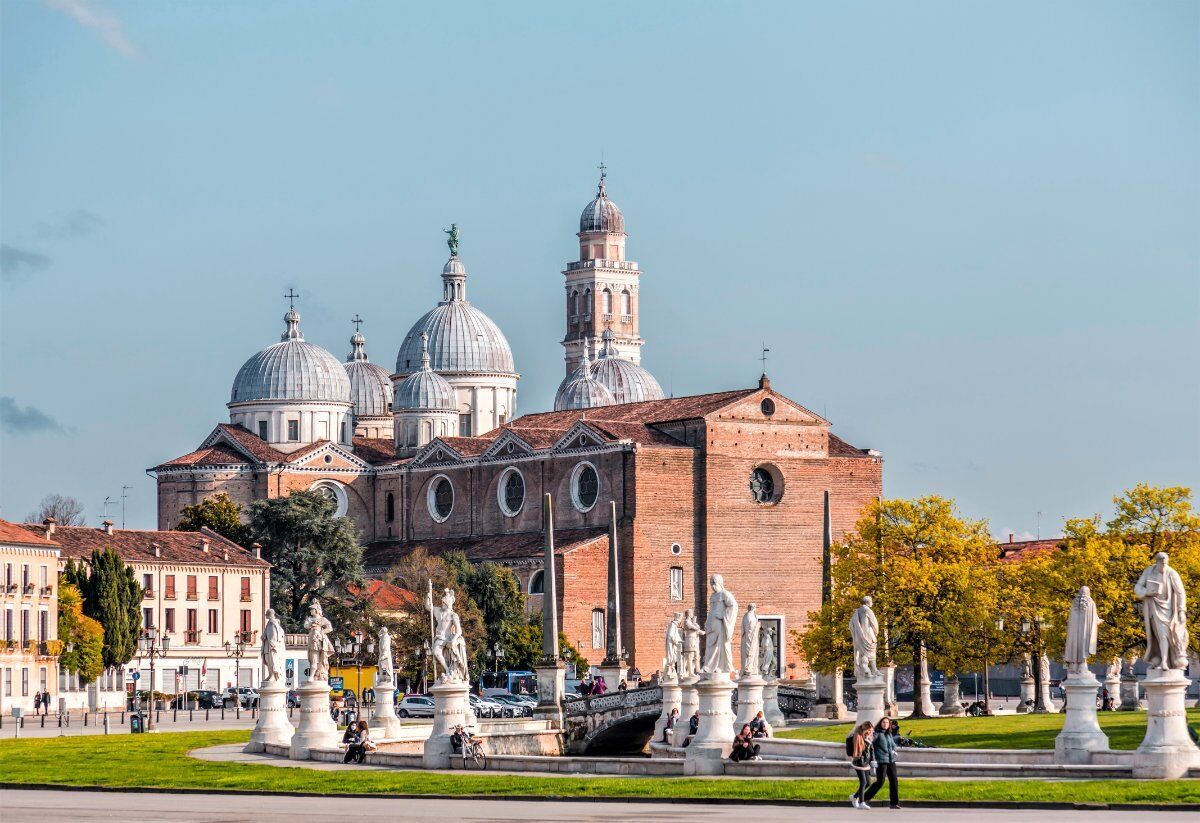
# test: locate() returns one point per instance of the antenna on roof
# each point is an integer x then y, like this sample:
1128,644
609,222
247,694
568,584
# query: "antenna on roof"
123,496
108,501
1039,525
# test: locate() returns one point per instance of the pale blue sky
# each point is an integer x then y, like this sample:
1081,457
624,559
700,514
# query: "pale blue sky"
969,232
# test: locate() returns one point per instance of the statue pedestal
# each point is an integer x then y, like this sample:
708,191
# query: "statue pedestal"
272,725
670,700
1080,735
451,707
1024,707
1167,751
689,704
925,700
317,729
1047,704
551,689
750,701
830,701
771,711
1129,694
714,740
613,674
1113,686
889,690
870,699
383,716
951,701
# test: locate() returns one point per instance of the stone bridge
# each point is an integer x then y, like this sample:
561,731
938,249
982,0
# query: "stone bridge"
622,722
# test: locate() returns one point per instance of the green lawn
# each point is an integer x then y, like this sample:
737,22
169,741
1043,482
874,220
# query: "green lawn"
162,761
1017,731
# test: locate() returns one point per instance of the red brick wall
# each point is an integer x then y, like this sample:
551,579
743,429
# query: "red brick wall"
584,587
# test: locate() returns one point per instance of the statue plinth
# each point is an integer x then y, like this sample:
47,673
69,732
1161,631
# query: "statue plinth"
1130,701
551,690
1167,751
451,707
750,700
272,725
1027,694
383,715
613,672
771,712
1081,734
671,694
713,741
689,704
1048,706
951,700
870,693
831,702
317,729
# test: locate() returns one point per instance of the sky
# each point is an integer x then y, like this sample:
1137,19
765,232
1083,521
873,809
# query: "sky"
968,232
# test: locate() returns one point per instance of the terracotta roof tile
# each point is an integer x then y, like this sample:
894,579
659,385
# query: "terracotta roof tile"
138,546
216,455
467,446
1016,551
385,596
840,448
379,557
253,444
304,451
375,450
650,411
17,533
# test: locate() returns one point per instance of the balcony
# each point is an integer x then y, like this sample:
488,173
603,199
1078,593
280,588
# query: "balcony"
148,594
11,588
601,263
246,637
47,591
192,596
29,587
191,637
246,597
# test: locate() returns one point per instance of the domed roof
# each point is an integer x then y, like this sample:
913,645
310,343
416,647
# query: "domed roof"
582,391
461,337
628,382
602,214
370,385
291,370
425,389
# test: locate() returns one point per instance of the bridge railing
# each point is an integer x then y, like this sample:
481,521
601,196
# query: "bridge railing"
576,705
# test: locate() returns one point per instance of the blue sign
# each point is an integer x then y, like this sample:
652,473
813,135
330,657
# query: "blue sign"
136,676
336,683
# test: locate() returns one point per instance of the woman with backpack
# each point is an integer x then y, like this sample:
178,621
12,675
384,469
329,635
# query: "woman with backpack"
861,751
885,746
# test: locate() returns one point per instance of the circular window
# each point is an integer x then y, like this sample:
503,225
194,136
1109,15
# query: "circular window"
328,458
335,491
766,484
440,498
585,486
510,492
767,406
676,548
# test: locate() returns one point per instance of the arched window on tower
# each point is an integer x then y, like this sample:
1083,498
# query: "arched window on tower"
390,507
537,583
587,304
606,303
626,304
574,305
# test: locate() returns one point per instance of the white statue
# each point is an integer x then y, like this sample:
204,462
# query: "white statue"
864,631
673,643
766,652
1026,667
274,646
320,647
750,640
691,645
718,628
1044,669
386,672
1164,609
449,645
1082,623
1113,672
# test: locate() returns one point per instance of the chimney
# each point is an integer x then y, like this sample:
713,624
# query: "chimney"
257,550
157,549
204,544
49,523
108,526
1010,537
764,382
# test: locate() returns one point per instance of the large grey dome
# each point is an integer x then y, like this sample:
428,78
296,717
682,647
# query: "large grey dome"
602,214
370,385
292,370
425,389
628,382
580,390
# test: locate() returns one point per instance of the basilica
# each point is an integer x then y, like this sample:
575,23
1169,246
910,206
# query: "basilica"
433,455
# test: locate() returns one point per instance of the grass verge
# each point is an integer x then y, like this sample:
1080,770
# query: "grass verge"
162,761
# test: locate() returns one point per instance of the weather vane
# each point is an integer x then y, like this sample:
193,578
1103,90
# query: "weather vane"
763,358
452,240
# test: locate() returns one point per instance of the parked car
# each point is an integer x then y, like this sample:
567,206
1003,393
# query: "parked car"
415,705
486,707
244,695
202,699
518,707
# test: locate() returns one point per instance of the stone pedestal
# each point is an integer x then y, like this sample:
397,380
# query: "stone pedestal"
1080,735
889,690
383,716
771,711
317,729
750,700
1027,694
831,701
714,740
1047,703
451,707
272,725
689,704
1167,751
951,700
1113,686
1129,693
551,689
870,699
671,694
613,675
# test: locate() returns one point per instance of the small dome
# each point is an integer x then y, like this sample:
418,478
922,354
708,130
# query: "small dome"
291,370
424,389
580,390
370,385
454,266
628,382
602,214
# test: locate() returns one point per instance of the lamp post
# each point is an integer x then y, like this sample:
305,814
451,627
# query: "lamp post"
237,650
987,689
1033,629
423,653
153,643
354,649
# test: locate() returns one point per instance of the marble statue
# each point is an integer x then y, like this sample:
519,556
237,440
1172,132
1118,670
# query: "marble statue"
1164,610
718,628
864,631
274,646
750,640
320,647
1044,669
449,645
1113,672
766,652
673,643
1082,623
387,673
1026,667
691,645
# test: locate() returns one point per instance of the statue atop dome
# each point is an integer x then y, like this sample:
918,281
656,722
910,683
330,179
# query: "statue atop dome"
452,239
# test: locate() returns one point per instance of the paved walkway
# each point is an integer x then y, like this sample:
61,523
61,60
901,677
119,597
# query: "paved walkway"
40,806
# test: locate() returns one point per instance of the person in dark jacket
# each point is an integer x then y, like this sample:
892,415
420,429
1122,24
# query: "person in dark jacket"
693,727
885,759
862,756
758,726
671,719
744,747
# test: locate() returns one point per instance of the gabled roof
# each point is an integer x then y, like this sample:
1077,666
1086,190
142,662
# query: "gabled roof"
249,442
138,546
375,450
15,534
1018,550
217,455
382,555
383,595
650,411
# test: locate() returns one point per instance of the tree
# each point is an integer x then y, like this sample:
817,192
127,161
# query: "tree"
66,511
81,636
311,551
219,513
112,596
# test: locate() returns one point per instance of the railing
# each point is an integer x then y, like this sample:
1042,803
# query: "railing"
601,263
247,637
296,641
794,700
192,637
29,587
47,591
582,705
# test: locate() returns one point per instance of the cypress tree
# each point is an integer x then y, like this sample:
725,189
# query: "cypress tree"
112,596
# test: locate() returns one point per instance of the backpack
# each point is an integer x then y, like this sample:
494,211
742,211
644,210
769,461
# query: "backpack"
850,746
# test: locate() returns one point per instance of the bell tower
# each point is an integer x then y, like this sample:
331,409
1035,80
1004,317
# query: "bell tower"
601,287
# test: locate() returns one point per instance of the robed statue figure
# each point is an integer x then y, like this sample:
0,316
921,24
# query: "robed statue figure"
1164,610
1082,623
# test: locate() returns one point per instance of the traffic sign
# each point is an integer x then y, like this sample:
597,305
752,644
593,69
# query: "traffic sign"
136,676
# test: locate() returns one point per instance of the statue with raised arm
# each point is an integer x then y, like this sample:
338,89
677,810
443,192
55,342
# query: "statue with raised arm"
864,631
320,647
691,645
274,647
766,652
1082,623
449,646
718,629
750,641
1164,611
387,673
673,645
452,240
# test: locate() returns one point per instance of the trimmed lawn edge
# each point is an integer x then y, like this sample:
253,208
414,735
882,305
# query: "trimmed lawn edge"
690,801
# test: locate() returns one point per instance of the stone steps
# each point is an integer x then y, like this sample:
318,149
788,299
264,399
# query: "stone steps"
777,767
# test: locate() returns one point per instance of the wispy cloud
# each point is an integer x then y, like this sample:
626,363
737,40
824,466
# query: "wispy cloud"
19,420
17,263
78,223
105,24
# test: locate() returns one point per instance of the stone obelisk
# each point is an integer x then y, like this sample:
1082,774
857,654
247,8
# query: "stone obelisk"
614,668
551,673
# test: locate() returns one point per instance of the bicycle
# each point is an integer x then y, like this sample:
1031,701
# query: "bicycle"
473,753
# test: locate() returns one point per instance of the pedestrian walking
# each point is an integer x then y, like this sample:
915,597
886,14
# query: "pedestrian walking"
884,745
861,751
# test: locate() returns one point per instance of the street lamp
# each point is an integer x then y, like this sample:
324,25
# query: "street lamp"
1034,629
987,690
423,653
237,650
354,649
153,643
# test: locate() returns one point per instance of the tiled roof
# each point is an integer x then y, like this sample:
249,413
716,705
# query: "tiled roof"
217,455
1015,551
375,449
650,411
304,451
467,446
16,533
385,596
383,555
840,448
253,444
138,546
636,432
